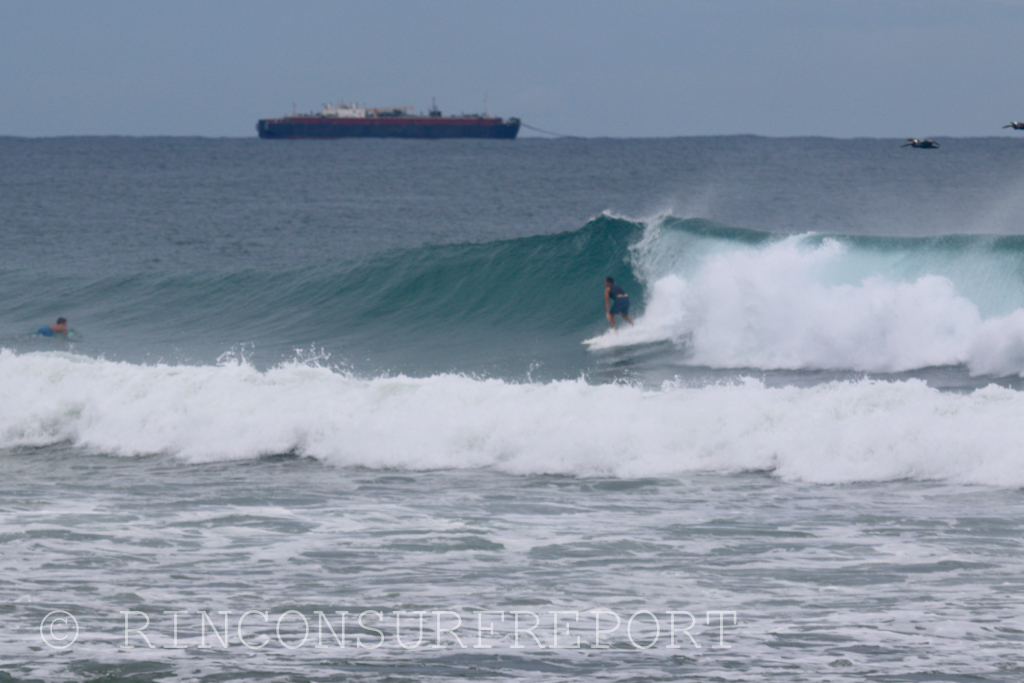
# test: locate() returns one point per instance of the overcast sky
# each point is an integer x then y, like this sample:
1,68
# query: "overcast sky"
839,68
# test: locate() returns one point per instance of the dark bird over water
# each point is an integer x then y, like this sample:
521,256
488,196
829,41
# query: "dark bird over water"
1016,125
923,144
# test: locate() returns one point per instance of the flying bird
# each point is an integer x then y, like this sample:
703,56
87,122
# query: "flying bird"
923,144
1016,125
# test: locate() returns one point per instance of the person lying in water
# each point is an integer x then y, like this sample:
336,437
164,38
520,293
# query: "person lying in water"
50,330
616,302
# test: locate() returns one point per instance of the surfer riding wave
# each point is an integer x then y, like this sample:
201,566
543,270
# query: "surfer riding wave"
616,302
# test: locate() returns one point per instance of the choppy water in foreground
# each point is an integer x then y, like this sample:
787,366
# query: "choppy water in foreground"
346,376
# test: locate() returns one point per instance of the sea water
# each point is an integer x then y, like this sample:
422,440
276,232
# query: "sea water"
324,413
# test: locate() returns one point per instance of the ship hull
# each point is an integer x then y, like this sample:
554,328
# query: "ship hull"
387,127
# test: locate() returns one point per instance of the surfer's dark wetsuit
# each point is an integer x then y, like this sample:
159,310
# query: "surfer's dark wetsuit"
616,302
619,300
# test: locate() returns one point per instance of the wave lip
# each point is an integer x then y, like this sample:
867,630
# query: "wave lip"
866,430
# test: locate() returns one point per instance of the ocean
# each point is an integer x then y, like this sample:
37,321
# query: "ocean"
324,413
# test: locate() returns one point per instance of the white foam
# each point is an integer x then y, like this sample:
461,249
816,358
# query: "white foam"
800,303
838,432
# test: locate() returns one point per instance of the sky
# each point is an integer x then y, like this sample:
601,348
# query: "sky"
591,68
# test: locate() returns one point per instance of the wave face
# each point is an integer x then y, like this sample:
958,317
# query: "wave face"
864,430
468,307
744,299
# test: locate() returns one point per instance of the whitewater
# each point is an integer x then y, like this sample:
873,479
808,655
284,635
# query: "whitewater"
865,430
831,302
292,391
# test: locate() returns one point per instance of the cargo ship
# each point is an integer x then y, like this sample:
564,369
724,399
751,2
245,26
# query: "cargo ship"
352,121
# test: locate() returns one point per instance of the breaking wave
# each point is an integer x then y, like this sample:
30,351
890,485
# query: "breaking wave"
710,295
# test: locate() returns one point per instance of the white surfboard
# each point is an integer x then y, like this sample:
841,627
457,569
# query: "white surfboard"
599,338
